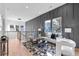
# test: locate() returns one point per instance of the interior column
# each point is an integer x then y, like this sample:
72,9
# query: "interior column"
3,18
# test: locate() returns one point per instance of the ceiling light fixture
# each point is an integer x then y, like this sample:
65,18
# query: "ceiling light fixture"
26,7
19,19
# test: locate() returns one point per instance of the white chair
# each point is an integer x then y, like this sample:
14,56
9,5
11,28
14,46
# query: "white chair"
65,47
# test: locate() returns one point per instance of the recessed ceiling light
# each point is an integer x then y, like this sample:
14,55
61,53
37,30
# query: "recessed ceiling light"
26,7
19,19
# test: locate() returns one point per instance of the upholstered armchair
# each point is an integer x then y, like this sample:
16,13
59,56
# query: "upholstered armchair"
65,47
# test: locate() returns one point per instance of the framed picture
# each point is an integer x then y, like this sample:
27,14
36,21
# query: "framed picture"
22,27
68,30
17,27
12,26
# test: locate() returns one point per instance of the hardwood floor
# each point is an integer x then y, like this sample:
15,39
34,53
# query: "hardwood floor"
77,51
17,49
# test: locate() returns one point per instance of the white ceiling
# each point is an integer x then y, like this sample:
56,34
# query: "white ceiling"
19,10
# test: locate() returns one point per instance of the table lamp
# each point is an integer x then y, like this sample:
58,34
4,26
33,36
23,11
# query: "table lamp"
39,32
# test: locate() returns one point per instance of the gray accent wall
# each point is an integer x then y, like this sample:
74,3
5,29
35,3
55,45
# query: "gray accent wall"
70,18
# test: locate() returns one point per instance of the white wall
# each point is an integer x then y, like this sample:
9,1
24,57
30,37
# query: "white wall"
11,22
12,34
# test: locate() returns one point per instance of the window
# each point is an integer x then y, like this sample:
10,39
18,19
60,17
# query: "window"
47,26
57,26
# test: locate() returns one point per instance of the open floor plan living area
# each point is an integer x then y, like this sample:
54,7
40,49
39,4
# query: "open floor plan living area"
39,29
